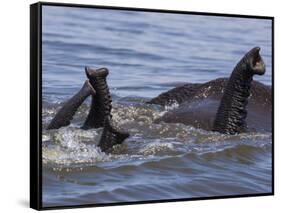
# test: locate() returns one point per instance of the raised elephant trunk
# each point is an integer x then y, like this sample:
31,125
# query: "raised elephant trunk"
111,136
66,113
101,102
232,113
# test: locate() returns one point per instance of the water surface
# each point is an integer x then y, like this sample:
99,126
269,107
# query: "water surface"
146,53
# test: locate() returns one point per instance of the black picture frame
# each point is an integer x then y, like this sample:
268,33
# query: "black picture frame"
36,102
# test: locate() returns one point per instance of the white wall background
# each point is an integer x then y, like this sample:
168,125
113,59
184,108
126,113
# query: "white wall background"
14,105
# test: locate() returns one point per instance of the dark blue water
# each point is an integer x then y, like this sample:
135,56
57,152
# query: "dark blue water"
146,54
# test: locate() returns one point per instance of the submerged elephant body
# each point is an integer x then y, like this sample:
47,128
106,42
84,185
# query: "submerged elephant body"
199,103
227,106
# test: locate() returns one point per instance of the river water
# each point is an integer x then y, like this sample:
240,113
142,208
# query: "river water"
146,54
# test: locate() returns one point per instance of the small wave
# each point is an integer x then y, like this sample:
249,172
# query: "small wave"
158,147
69,147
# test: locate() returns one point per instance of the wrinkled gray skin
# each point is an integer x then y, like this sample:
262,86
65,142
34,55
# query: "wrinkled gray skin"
101,101
111,136
100,111
220,105
231,115
66,113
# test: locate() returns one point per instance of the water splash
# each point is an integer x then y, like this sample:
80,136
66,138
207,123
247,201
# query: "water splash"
72,147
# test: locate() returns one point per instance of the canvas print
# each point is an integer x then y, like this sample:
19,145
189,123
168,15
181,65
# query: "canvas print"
152,106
